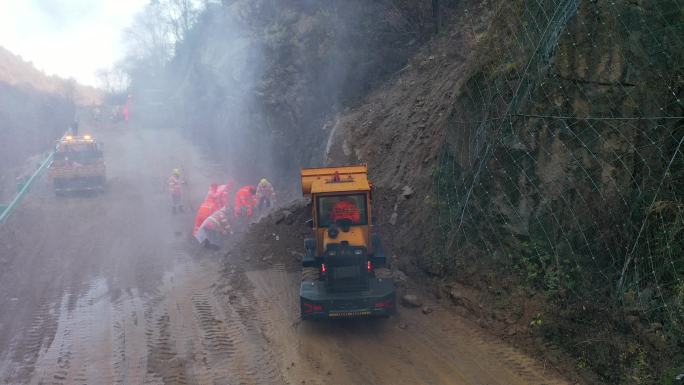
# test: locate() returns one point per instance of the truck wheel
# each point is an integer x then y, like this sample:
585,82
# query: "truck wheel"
383,272
310,274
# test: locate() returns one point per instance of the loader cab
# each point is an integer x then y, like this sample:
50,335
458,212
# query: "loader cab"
342,227
341,217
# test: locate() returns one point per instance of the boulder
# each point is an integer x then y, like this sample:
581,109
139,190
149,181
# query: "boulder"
406,192
399,278
393,218
411,300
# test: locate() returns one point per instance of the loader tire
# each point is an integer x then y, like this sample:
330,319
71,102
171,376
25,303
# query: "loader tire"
383,272
310,274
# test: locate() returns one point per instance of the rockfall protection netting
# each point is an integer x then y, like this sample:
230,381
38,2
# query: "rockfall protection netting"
563,155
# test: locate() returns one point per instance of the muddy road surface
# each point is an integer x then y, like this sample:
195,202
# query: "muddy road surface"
111,289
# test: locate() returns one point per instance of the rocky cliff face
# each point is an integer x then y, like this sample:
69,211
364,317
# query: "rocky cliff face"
257,80
551,144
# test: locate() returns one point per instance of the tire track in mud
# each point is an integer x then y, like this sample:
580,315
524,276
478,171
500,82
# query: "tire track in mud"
26,348
164,364
259,365
195,338
216,339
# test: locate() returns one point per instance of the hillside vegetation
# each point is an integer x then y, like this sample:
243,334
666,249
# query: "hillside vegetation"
17,72
35,110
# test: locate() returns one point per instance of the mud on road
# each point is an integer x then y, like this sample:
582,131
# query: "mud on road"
111,289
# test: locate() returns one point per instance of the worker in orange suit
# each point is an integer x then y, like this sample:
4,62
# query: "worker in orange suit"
208,207
224,193
245,201
345,209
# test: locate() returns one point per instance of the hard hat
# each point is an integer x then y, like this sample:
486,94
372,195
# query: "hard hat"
176,172
263,181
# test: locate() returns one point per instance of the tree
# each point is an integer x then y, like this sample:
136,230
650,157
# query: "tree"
180,16
113,80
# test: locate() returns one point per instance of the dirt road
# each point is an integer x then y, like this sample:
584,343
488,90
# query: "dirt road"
110,289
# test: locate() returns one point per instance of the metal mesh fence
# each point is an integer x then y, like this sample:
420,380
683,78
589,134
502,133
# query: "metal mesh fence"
563,155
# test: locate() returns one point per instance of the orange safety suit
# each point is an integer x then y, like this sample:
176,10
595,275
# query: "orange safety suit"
223,192
213,193
208,207
244,198
345,210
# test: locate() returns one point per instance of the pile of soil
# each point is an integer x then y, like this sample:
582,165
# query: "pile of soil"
277,238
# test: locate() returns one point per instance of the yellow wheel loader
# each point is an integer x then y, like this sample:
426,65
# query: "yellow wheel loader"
344,271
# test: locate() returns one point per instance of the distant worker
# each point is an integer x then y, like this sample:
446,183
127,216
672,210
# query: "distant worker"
265,195
176,183
345,209
213,230
245,202
127,109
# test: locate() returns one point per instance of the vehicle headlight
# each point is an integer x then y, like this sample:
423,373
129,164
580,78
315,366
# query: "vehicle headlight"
332,252
358,252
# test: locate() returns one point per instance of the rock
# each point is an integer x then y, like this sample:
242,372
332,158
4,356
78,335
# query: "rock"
393,218
657,339
278,218
288,216
655,326
457,297
632,321
427,310
346,148
406,192
284,215
399,278
296,254
411,300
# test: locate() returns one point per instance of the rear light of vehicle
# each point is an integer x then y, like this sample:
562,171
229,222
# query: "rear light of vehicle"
370,266
323,269
310,308
384,304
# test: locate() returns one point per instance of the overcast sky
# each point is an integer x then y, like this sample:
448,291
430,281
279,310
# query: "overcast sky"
69,38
